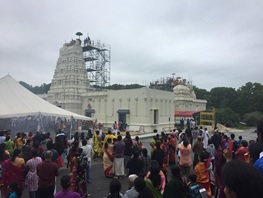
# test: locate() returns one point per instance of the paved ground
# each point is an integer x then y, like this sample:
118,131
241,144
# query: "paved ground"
100,184
248,134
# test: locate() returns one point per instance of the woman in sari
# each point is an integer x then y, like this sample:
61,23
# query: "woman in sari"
219,162
172,148
165,148
153,181
202,170
72,153
108,159
13,170
74,175
96,145
3,157
77,176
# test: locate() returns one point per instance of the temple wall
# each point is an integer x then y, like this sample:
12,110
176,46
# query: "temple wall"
148,108
144,109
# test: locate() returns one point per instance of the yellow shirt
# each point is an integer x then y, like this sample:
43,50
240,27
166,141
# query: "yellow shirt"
19,162
109,136
18,143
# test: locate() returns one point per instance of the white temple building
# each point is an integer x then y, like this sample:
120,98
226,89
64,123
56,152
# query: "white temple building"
143,109
70,80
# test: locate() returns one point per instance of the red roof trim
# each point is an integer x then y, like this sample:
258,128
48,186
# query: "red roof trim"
184,113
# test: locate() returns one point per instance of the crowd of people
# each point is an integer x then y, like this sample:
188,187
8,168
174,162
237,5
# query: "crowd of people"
190,163
181,163
30,161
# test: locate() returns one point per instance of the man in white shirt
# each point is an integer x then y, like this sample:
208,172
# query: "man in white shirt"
205,138
87,151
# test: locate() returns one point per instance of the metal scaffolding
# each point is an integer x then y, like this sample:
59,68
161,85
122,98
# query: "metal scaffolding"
166,84
169,83
97,57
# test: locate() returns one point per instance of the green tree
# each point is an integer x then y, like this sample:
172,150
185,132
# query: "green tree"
24,84
43,89
222,97
243,102
227,115
116,87
119,86
133,86
202,94
252,118
249,98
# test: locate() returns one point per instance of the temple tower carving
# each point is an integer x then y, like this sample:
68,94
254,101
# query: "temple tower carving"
70,81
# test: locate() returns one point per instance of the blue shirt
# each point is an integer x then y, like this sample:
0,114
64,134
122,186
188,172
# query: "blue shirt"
12,195
2,139
259,164
194,190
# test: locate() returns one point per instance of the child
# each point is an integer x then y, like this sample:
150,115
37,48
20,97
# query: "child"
13,190
115,189
194,187
239,140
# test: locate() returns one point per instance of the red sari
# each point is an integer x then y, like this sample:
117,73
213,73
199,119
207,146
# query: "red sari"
164,147
202,175
172,154
10,174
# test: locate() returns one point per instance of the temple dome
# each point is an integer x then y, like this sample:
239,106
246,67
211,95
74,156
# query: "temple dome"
182,91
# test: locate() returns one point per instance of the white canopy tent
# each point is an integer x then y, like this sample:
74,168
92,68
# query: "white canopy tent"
17,101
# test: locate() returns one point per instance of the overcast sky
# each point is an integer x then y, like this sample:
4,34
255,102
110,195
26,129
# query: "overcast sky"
214,43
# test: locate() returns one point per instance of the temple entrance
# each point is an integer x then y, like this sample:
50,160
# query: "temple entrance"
122,118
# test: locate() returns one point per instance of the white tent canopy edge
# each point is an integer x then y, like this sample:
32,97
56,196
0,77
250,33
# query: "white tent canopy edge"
17,101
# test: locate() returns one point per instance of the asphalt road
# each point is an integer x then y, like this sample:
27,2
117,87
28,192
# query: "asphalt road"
99,186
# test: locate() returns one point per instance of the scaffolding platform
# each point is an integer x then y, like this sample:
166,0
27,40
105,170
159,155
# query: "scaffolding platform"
89,59
90,70
97,57
89,47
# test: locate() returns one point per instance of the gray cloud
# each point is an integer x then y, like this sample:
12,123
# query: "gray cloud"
214,43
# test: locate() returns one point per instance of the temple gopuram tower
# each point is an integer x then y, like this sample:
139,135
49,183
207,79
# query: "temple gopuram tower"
70,81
